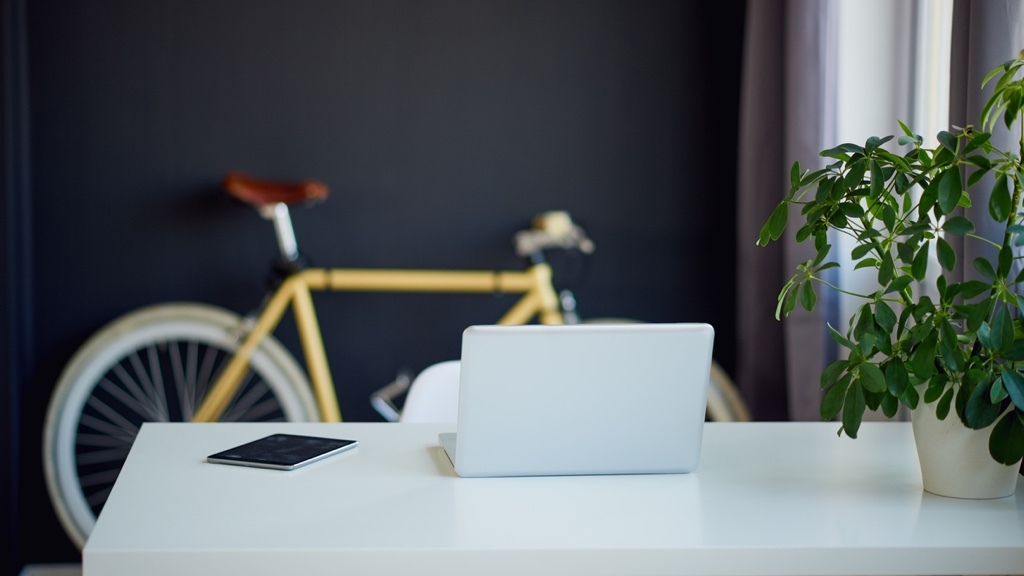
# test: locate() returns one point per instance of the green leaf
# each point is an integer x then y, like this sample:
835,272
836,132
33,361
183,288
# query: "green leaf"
852,209
853,409
832,401
855,176
982,162
979,412
777,221
896,378
794,175
910,397
945,253
822,254
1002,330
999,203
1005,261
976,141
973,288
1013,382
929,197
942,408
948,140
919,267
824,190
861,250
1006,444
936,386
807,297
887,271
950,190
832,372
958,226
984,333
866,344
906,130
789,304
984,267
949,347
866,263
877,180
922,359
890,405
874,142
884,316
865,321
905,251
840,339
872,378
1016,353
812,177
1001,69
998,392
976,177
841,152
899,284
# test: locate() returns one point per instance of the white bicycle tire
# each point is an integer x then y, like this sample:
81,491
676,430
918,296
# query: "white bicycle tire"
194,326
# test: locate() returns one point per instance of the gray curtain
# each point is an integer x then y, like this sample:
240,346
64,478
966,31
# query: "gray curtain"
785,116
986,33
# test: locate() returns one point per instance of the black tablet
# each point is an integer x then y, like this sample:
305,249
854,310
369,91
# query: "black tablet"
282,451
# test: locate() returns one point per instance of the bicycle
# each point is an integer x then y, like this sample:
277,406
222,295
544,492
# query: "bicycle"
184,361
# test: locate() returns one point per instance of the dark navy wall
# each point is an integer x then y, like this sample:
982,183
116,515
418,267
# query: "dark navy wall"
441,128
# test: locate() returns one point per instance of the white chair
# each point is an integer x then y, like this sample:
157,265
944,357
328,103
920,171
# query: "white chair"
433,395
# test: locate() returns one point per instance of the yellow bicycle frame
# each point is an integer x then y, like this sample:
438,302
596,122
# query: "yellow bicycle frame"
534,283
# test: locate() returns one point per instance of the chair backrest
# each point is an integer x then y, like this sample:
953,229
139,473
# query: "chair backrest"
433,395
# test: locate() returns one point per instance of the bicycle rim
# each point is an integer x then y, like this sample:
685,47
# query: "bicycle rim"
152,365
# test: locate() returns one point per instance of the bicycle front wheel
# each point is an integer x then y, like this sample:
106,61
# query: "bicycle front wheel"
152,365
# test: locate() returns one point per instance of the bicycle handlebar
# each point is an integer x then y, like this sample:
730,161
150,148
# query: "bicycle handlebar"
553,229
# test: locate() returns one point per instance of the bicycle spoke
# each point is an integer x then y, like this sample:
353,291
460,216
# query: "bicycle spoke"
146,387
259,412
103,426
98,497
138,402
192,353
129,401
114,423
206,372
157,377
112,455
105,440
178,370
242,407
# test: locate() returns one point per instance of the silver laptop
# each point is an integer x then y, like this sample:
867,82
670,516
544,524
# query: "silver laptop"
581,399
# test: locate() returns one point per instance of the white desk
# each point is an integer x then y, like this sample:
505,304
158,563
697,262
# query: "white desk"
782,498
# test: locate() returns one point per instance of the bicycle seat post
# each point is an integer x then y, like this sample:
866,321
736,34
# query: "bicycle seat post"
278,213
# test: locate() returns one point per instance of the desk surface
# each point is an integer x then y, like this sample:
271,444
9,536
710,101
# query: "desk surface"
768,498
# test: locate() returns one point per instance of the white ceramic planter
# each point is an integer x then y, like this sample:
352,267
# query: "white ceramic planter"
955,460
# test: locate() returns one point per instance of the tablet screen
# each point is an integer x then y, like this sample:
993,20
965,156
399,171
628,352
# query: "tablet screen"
282,451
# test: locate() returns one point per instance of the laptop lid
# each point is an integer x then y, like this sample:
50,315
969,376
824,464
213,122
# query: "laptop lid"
581,399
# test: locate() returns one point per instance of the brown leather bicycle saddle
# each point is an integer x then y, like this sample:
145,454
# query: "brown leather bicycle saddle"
258,192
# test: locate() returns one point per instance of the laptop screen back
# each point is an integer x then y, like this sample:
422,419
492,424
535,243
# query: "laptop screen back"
582,399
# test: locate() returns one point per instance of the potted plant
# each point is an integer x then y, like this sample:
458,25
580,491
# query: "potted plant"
960,353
